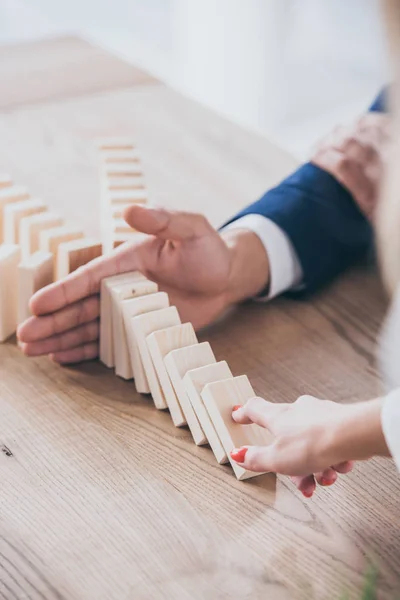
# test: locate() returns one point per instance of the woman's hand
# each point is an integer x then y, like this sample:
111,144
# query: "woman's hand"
314,440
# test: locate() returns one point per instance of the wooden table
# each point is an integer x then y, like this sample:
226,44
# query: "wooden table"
100,495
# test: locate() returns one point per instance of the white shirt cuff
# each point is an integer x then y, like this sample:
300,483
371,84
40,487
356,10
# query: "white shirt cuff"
285,269
391,424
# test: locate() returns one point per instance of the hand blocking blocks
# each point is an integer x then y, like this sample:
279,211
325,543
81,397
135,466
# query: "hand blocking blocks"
142,336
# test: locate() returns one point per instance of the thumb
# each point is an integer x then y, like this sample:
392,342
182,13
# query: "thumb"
166,224
255,458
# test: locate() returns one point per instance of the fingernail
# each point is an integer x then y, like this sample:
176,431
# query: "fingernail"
238,454
236,407
327,482
307,494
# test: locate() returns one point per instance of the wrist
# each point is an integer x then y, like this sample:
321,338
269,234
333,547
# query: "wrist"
357,434
249,271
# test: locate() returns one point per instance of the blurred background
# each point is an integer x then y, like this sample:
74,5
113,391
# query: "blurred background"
288,69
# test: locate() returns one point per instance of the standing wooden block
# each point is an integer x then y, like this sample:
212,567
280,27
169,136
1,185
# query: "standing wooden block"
14,213
144,325
119,156
194,381
127,196
111,242
9,259
140,287
134,182
219,398
129,169
76,253
30,228
9,195
106,329
50,239
34,273
5,181
133,308
114,143
160,343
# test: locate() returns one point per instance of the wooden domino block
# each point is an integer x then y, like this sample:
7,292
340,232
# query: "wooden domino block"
127,196
76,253
129,169
114,143
119,156
133,308
111,242
10,195
219,398
140,287
106,330
5,181
194,381
30,228
115,184
9,259
144,325
50,239
160,343
116,211
34,273
14,213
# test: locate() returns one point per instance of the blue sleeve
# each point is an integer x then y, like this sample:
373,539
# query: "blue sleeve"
320,217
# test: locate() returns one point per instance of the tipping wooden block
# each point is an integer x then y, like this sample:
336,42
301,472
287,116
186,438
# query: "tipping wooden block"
160,343
106,329
34,273
139,287
142,326
119,156
9,259
14,213
133,308
9,195
219,398
194,381
76,253
114,143
50,239
5,181
30,228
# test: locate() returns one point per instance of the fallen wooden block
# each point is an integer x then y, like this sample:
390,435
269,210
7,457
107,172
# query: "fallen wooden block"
114,143
194,381
139,287
133,308
34,273
50,239
15,212
160,343
76,253
30,228
106,329
9,195
219,398
5,181
9,259
142,326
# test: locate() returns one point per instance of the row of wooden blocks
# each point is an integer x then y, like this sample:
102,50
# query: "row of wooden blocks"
142,337
121,185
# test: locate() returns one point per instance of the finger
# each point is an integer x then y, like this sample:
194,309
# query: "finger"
39,328
75,355
165,224
64,341
305,484
344,467
86,280
255,458
257,410
326,478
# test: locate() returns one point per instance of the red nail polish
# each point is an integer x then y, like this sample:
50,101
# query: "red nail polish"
307,494
326,482
238,454
236,407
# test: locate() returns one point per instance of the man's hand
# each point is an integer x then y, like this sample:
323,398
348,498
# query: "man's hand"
313,439
355,156
203,272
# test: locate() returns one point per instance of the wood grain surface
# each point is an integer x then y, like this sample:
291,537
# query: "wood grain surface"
101,497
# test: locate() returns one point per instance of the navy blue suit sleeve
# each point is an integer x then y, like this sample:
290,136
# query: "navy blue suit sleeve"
321,219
